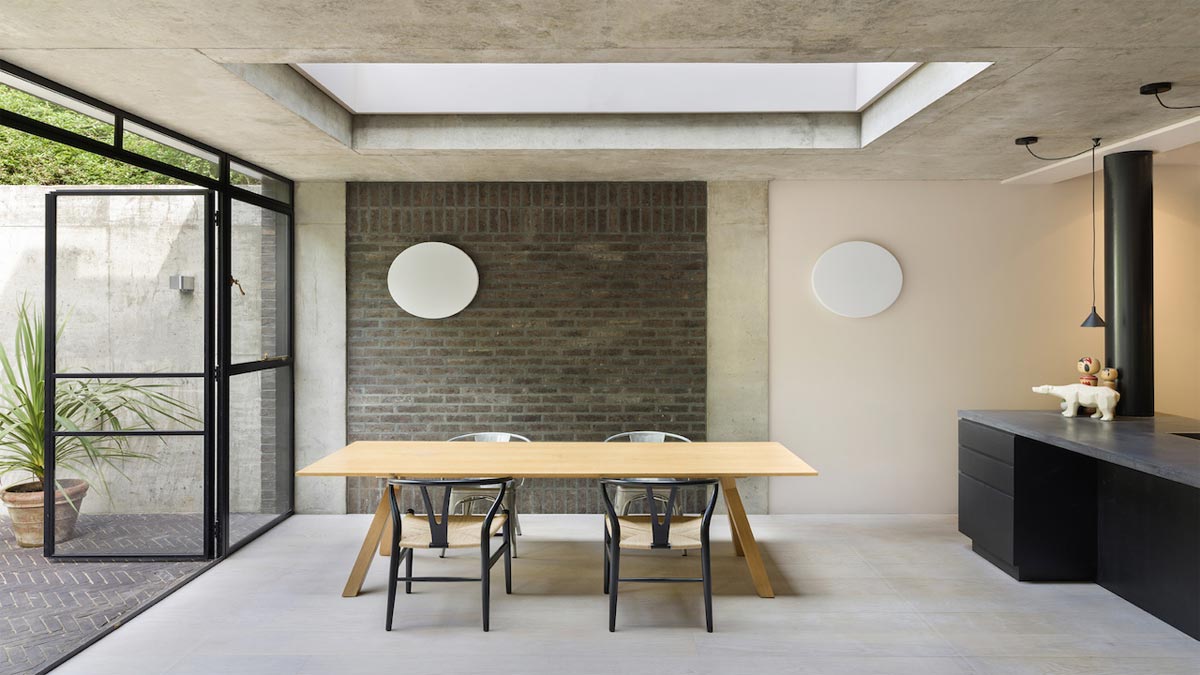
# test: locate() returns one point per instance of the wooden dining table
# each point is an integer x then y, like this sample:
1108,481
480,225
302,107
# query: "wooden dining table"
726,461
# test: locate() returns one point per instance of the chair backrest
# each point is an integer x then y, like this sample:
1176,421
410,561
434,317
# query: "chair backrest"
647,437
660,526
439,520
490,437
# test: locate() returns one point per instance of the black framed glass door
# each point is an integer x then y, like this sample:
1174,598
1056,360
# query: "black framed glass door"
130,374
196,458
254,445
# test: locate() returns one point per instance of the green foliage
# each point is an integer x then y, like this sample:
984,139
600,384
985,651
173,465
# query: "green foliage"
80,405
26,159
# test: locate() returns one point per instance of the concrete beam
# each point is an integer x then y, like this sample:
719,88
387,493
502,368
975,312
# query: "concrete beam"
294,92
929,83
388,134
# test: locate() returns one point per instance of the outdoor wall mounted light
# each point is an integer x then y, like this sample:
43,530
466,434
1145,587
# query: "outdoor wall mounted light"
183,283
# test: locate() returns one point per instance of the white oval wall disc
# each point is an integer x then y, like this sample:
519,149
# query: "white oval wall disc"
857,279
433,280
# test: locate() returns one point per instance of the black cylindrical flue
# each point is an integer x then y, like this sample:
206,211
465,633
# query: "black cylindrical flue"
1129,278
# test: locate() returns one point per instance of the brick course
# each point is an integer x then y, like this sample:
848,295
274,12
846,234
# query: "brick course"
590,318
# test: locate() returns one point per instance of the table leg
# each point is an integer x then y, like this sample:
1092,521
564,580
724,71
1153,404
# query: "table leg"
745,536
385,539
358,573
737,542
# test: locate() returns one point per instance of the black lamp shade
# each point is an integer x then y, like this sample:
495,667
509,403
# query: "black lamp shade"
1093,320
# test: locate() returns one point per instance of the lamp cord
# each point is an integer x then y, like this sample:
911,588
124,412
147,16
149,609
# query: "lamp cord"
1056,159
1174,107
1095,142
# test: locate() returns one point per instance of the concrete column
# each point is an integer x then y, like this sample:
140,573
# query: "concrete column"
737,321
320,325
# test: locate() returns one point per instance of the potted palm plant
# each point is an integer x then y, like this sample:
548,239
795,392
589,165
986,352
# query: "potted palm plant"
80,405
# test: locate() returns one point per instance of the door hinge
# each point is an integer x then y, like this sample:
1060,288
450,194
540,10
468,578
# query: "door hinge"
216,219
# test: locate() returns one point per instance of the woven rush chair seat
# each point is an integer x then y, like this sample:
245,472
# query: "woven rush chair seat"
636,532
437,528
461,531
658,530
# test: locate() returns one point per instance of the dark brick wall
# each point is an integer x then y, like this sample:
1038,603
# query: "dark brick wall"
590,318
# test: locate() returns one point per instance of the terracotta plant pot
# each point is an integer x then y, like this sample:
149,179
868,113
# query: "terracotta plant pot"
25,508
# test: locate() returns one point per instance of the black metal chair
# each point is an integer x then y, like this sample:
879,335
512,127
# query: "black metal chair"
465,498
412,531
655,531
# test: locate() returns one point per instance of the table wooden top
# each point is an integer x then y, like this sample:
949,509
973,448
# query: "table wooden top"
441,459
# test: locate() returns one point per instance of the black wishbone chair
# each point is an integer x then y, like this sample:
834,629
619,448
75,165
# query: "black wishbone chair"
412,531
655,531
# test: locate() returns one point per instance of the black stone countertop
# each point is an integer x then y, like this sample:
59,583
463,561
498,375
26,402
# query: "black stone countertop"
1146,444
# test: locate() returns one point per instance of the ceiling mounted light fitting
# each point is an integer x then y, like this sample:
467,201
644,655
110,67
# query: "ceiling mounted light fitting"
1157,89
1093,319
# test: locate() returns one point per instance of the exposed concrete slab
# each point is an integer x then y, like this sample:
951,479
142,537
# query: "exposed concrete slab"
738,384
402,30
1049,78
386,134
320,337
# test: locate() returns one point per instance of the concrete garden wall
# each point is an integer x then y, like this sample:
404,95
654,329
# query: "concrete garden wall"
116,257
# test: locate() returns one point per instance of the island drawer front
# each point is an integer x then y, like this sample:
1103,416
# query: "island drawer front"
985,469
991,442
986,516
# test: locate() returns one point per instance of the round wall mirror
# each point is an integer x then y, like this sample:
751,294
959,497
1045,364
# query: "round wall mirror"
857,279
433,280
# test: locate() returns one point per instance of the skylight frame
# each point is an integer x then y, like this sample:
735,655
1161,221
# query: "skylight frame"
604,88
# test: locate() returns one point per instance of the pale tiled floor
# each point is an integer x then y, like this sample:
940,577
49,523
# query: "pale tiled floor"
857,594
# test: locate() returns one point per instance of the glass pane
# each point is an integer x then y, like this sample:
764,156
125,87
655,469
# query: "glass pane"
138,404
260,449
150,503
116,258
150,143
26,159
257,181
259,297
46,105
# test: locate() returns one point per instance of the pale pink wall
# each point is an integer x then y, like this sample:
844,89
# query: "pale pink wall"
995,286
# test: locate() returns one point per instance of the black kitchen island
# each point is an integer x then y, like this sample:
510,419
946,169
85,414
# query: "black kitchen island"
1049,498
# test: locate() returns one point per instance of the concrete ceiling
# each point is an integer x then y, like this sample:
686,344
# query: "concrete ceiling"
1064,70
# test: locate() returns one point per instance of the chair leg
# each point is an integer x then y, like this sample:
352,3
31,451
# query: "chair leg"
515,526
509,540
394,567
614,575
621,503
706,574
485,579
408,564
512,508
607,542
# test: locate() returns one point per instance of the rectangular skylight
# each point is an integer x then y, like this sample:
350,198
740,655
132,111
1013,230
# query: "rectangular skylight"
583,88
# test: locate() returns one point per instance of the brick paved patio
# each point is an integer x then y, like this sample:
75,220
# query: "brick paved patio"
48,609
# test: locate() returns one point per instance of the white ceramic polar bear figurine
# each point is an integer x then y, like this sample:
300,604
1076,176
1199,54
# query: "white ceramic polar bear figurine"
1075,395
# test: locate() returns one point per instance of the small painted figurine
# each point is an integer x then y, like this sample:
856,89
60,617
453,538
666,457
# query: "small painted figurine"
1088,367
1108,378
